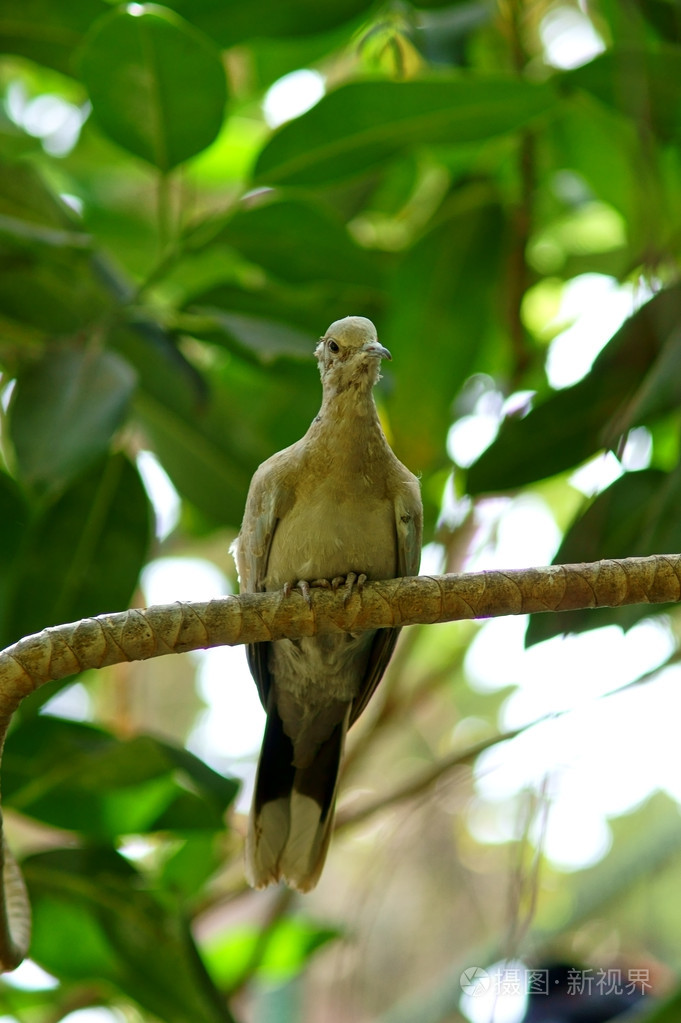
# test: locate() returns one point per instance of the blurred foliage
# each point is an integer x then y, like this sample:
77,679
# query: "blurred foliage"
167,259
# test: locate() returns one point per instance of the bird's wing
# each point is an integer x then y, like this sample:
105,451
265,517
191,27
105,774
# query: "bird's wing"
257,529
409,526
408,530
269,497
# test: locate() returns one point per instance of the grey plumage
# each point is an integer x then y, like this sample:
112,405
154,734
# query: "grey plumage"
336,502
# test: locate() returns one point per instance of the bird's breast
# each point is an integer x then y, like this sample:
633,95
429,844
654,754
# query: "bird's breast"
329,533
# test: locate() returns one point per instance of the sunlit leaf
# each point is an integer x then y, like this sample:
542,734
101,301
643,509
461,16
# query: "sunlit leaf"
94,921
284,953
75,776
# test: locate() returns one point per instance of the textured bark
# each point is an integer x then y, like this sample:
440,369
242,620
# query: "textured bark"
133,635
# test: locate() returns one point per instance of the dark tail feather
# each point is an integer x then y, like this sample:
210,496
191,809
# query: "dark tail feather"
292,813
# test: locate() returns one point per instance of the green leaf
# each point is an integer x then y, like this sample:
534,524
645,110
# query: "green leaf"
289,943
360,125
440,313
55,293
644,83
664,15
75,776
47,279
64,412
157,85
265,340
24,197
575,423
48,32
233,22
83,554
197,858
610,172
211,445
658,392
92,921
263,233
14,517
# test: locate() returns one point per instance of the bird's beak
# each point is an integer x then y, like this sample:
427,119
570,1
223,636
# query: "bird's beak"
374,348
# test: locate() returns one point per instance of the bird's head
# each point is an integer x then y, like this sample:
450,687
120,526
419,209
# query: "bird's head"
350,354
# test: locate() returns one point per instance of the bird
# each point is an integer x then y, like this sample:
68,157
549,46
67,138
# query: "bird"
334,509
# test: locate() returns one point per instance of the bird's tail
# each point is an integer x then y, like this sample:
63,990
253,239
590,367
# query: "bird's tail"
292,813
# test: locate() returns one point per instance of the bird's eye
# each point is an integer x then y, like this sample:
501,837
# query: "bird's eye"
333,347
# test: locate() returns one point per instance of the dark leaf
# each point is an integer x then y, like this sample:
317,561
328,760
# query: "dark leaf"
83,554
665,15
611,173
48,32
157,85
14,516
186,870
644,83
440,312
636,516
47,280
55,293
231,23
658,392
263,233
573,424
211,446
14,521
64,412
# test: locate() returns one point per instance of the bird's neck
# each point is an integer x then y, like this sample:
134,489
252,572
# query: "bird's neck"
347,425
353,406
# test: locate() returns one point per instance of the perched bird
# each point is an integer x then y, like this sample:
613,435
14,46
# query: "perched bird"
335,507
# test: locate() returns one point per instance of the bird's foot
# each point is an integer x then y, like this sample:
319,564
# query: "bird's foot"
351,581
346,583
303,586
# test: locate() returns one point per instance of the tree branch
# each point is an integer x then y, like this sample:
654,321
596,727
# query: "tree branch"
139,634
108,639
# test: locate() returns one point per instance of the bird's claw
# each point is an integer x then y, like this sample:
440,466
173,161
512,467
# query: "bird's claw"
302,586
348,584
345,582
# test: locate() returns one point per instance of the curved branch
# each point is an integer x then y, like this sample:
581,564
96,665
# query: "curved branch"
108,639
